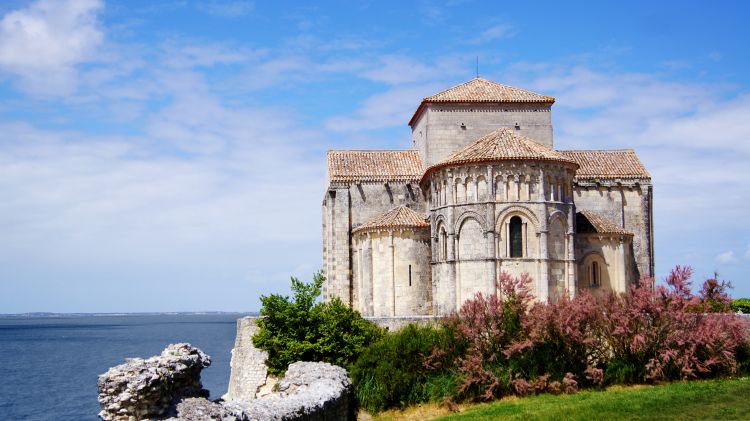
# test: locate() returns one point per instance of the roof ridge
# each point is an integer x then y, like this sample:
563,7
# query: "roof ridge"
372,150
456,86
597,150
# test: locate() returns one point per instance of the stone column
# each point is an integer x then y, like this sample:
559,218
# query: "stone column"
490,233
367,293
392,265
571,253
450,228
621,271
543,282
541,194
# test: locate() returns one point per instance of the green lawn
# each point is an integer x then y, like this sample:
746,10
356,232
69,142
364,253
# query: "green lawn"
696,400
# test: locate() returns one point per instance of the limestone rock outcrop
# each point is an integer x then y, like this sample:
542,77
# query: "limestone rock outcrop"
312,391
168,387
141,389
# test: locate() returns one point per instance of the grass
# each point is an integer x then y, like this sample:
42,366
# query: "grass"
696,400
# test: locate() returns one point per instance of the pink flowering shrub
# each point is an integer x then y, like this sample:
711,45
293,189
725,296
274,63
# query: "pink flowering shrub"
489,326
510,344
513,345
665,334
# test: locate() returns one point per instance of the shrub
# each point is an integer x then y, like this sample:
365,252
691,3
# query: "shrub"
515,346
505,343
564,341
392,372
741,305
298,329
714,295
658,335
492,328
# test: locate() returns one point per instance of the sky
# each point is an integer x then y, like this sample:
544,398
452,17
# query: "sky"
170,156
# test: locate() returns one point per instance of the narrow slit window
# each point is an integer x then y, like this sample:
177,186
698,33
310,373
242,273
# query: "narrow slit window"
409,275
516,237
595,274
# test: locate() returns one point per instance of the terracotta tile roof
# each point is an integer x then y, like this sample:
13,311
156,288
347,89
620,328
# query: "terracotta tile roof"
482,90
607,164
398,217
501,145
598,222
373,166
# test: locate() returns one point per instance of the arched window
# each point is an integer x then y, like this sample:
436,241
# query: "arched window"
596,276
515,236
460,191
482,189
443,245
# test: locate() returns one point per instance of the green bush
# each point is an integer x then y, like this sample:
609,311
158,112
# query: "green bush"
298,329
393,371
741,304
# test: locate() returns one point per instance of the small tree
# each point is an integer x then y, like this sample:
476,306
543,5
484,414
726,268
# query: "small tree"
299,329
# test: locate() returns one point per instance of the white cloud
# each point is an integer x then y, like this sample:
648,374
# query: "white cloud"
189,55
391,108
226,8
726,257
42,43
398,69
494,32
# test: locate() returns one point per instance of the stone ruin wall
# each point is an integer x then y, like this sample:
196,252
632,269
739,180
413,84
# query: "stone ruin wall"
168,387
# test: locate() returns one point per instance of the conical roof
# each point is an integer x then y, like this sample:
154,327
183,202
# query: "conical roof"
504,144
480,90
398,217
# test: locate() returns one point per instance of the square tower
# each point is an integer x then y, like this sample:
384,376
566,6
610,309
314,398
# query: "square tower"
454,118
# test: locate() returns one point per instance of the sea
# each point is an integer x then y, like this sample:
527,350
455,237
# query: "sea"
49,363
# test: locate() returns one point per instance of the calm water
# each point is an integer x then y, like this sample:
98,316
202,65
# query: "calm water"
49,365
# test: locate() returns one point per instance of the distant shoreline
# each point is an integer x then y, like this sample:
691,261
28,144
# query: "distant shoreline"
155,313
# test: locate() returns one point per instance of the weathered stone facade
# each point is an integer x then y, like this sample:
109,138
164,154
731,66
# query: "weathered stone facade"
496,196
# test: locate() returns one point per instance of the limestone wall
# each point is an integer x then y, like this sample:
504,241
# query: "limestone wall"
612,254
444,128
396,323
470,228
345,207
392,276
336,243
628,205
248,364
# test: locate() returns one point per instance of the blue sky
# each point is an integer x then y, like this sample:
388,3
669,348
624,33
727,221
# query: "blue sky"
168,156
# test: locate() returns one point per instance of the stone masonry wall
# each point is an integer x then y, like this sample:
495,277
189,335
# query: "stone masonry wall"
248,364
630,208
445,128
392,274
349,207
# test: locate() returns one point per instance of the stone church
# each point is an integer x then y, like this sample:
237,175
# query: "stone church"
482,190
